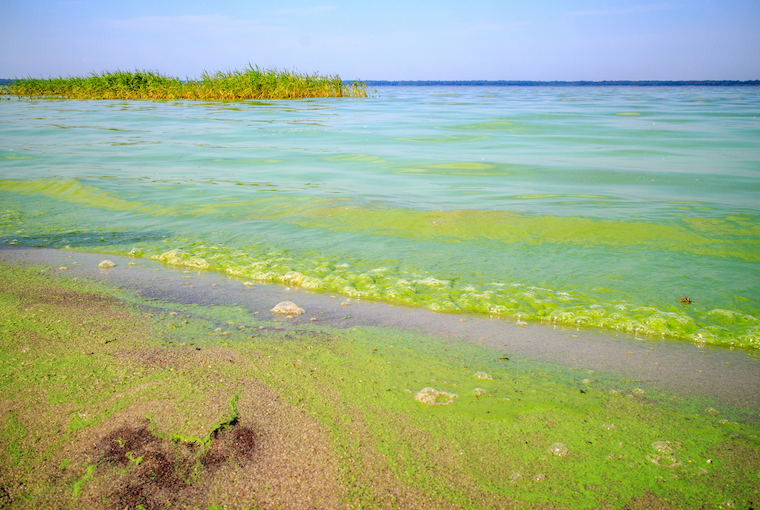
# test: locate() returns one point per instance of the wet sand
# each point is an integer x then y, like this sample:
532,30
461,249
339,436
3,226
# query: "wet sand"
730,377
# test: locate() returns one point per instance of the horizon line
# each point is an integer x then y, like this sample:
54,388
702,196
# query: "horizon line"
518,83
378,83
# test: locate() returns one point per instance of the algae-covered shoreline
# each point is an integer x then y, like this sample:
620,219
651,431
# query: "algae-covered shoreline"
729,376
112,399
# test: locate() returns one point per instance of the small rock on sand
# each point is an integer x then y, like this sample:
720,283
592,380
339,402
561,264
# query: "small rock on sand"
288,307
433,397
106,264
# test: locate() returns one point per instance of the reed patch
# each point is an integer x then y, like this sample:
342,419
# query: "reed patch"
251,83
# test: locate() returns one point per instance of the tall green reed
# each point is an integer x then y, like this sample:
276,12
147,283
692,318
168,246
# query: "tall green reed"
251,83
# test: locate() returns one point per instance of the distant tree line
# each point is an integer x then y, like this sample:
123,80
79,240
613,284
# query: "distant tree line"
523,83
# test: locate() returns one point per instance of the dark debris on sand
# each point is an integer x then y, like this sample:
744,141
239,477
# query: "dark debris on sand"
152,472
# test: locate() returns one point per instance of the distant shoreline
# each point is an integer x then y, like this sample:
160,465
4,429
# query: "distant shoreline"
518,83
528,83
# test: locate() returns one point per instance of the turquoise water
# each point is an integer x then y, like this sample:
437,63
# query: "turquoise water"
598,207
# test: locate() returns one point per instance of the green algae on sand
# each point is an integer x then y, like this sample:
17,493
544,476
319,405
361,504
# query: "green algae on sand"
109,399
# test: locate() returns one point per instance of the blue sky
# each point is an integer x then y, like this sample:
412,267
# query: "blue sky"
389,40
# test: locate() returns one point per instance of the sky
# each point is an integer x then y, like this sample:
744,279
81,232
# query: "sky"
388,40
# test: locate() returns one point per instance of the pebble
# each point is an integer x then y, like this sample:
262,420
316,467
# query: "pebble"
482,375
430,396
288,307
106,264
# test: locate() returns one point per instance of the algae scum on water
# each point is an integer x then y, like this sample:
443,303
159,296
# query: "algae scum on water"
521,204
110,400
480,262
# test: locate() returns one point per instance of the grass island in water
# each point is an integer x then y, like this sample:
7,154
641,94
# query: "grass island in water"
252,83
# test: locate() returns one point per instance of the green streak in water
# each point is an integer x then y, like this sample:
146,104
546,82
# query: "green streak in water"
720,316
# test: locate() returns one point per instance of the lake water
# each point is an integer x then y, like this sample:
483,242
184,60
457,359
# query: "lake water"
598,207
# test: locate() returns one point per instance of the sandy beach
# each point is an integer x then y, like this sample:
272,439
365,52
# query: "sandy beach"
143,384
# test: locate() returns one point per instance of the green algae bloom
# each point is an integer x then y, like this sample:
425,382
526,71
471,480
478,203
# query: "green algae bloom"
214,395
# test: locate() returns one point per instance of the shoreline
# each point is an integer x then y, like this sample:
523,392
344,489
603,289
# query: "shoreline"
167,388
731,377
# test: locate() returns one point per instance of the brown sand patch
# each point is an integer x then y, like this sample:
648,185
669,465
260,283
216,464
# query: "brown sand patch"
648,501
291,463
279,458
153,476
229,444
270,455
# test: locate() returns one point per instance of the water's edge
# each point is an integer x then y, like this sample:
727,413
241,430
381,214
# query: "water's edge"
731,377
